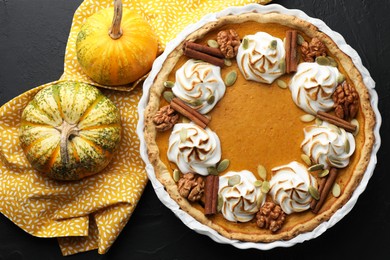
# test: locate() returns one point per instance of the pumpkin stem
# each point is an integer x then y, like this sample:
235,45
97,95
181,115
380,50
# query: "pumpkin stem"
66,130
116,30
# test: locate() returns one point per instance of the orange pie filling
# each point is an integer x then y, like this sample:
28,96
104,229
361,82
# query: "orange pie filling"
275,150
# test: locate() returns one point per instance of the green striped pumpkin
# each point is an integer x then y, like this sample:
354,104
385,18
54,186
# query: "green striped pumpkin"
70,130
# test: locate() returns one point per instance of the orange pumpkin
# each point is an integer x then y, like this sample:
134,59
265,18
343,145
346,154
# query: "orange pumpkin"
116,46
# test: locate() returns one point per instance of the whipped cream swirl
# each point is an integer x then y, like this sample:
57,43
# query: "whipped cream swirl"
328,144
193,149
312,87
196,82
242,200
289,187
260,57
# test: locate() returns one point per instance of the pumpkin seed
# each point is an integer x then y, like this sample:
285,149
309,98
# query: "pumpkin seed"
176,175
223,165
185,120
258,183
227,62
281,83
211,99
234,180
168,96
347,146
245,43
340,78
213,43
212,170
220,203
332,61
323,173
265,187
314,192
306,159
336,190
282,66
356,123
196,102
307,118
318,121
273,45
260,199
169,84
183,134
315,167
322,60
300,39
262,172
231,78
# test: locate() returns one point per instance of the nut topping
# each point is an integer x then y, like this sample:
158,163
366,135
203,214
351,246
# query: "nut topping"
165,118
228,41
346,101
312,50
191,186
270,216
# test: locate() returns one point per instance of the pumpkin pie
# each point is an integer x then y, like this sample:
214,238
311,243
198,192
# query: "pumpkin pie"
259,126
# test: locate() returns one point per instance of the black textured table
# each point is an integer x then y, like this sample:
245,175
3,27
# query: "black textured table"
33,36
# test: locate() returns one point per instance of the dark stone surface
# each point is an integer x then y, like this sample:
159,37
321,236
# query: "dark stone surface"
33,36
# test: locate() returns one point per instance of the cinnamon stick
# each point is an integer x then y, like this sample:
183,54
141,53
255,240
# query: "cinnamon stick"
194,54
336,121
209,183
322,113
189,112
214,204
216,52
185,106
327,187
211,194
313,202
291,51
288,50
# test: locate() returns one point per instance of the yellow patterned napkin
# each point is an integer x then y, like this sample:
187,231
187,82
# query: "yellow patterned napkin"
85,214
88,214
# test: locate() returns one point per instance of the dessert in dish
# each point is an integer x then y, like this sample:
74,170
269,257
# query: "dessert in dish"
259,126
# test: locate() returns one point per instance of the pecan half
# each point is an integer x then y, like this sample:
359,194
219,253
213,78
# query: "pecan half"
165,118
191,186
270,216
228,41
310,51
346,101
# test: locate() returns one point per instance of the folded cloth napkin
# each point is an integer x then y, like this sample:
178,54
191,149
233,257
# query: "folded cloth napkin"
90,213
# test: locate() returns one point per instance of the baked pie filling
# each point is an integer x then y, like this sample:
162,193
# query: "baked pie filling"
259,126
